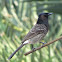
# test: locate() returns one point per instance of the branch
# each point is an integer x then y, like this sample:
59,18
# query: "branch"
43,46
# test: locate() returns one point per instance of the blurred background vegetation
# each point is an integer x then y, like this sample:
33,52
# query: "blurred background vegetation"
16,19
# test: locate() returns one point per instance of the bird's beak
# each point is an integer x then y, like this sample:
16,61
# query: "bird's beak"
50,13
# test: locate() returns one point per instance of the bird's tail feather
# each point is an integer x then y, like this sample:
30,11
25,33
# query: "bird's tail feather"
15,51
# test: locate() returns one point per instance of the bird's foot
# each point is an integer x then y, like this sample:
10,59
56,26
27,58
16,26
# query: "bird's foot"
33,49
43,43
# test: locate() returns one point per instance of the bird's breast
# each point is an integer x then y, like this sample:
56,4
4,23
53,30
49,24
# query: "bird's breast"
36,39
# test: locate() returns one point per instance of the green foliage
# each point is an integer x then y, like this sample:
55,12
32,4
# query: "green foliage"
17,18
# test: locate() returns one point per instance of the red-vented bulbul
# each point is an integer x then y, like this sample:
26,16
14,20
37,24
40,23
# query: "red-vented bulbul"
37,33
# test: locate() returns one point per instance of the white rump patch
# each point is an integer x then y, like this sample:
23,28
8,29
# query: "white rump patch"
26,42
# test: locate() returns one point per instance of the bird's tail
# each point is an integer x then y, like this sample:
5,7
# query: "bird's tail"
15,51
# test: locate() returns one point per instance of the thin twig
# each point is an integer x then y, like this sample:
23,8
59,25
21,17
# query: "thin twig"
43,46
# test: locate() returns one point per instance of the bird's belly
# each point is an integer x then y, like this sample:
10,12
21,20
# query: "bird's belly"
36,39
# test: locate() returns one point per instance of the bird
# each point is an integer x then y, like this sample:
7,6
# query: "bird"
37,33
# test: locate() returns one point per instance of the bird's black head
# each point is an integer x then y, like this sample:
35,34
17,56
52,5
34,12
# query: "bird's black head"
43,18
44,14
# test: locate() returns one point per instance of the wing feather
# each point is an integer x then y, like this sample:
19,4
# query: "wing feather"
37,29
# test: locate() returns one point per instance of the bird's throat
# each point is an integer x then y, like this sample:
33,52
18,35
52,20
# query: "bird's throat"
40,21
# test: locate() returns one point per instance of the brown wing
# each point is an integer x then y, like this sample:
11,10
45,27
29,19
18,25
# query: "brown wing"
37,29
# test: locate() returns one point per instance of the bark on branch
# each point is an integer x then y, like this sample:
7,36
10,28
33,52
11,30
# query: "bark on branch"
43,46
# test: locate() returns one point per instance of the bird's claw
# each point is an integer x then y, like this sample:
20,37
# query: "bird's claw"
43,43
33,49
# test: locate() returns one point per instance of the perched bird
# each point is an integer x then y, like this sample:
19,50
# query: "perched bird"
37,33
